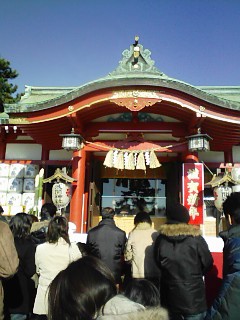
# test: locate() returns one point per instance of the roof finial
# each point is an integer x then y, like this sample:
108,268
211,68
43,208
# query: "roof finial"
136,40
136,53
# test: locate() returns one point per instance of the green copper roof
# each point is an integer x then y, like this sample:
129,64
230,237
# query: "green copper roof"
231,93
135,68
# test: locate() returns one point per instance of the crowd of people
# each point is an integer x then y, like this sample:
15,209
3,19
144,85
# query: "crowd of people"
148,274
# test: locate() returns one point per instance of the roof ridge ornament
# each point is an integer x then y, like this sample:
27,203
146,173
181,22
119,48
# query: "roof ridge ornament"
136,60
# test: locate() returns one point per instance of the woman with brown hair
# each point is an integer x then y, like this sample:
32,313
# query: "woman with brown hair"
52,257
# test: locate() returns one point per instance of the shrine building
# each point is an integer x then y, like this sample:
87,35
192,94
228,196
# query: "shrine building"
134,140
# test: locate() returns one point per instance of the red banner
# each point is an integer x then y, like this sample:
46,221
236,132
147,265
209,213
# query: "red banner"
192,190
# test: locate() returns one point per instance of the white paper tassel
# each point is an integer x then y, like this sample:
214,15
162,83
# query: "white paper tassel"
130,163
147,158
141,162
125,159
154,163
115,156
135,155
108,162
120,162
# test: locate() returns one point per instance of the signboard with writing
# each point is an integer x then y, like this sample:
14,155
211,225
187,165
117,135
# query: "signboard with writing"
193,187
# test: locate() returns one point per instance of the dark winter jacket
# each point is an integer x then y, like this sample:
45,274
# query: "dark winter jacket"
231,250
107,242
20,289
183,257
39,231
226,305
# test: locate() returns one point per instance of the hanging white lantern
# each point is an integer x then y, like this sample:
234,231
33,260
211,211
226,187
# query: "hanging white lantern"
220,195
61,194
236,188
235,173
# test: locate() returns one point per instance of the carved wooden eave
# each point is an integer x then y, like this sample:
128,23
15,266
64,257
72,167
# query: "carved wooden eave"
218,180
59,175
135,100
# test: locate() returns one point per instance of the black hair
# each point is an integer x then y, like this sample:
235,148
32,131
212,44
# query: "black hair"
142,217
231,206
58,228
81,290
33,218
177,213
20,225
48,211
1,210
84,248
108,213
144,292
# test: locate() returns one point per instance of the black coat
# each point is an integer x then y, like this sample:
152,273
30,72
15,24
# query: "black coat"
226,305
183,258
19,291
107,242
231,250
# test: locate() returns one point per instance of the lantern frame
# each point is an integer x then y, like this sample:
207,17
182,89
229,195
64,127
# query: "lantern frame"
71,141
199,142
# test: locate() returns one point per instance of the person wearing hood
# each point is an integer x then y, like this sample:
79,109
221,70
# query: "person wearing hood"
184,258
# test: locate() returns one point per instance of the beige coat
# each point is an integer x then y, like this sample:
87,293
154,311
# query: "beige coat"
50,259
8,258
139,251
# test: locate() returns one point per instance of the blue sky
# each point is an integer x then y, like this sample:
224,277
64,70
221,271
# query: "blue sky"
71,42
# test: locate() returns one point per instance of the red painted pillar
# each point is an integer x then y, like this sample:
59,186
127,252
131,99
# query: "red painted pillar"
190,157
3,146
86,195
44,158
45,154
77,201
228,157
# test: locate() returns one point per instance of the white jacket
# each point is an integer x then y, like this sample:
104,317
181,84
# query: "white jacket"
50,259
119,306
139,251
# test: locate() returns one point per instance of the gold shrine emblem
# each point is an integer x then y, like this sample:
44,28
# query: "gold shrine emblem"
135,100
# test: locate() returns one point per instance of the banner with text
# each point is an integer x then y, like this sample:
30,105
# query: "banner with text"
193,188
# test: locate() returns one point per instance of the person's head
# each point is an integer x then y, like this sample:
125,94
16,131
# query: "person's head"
231,207
81,290
20,225
33,218
48,211
144,292
177,213
84,248
108,213
1,210
58,228
142,217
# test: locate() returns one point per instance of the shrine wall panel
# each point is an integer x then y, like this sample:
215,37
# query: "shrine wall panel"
23,151
60,155
211,156
236,154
